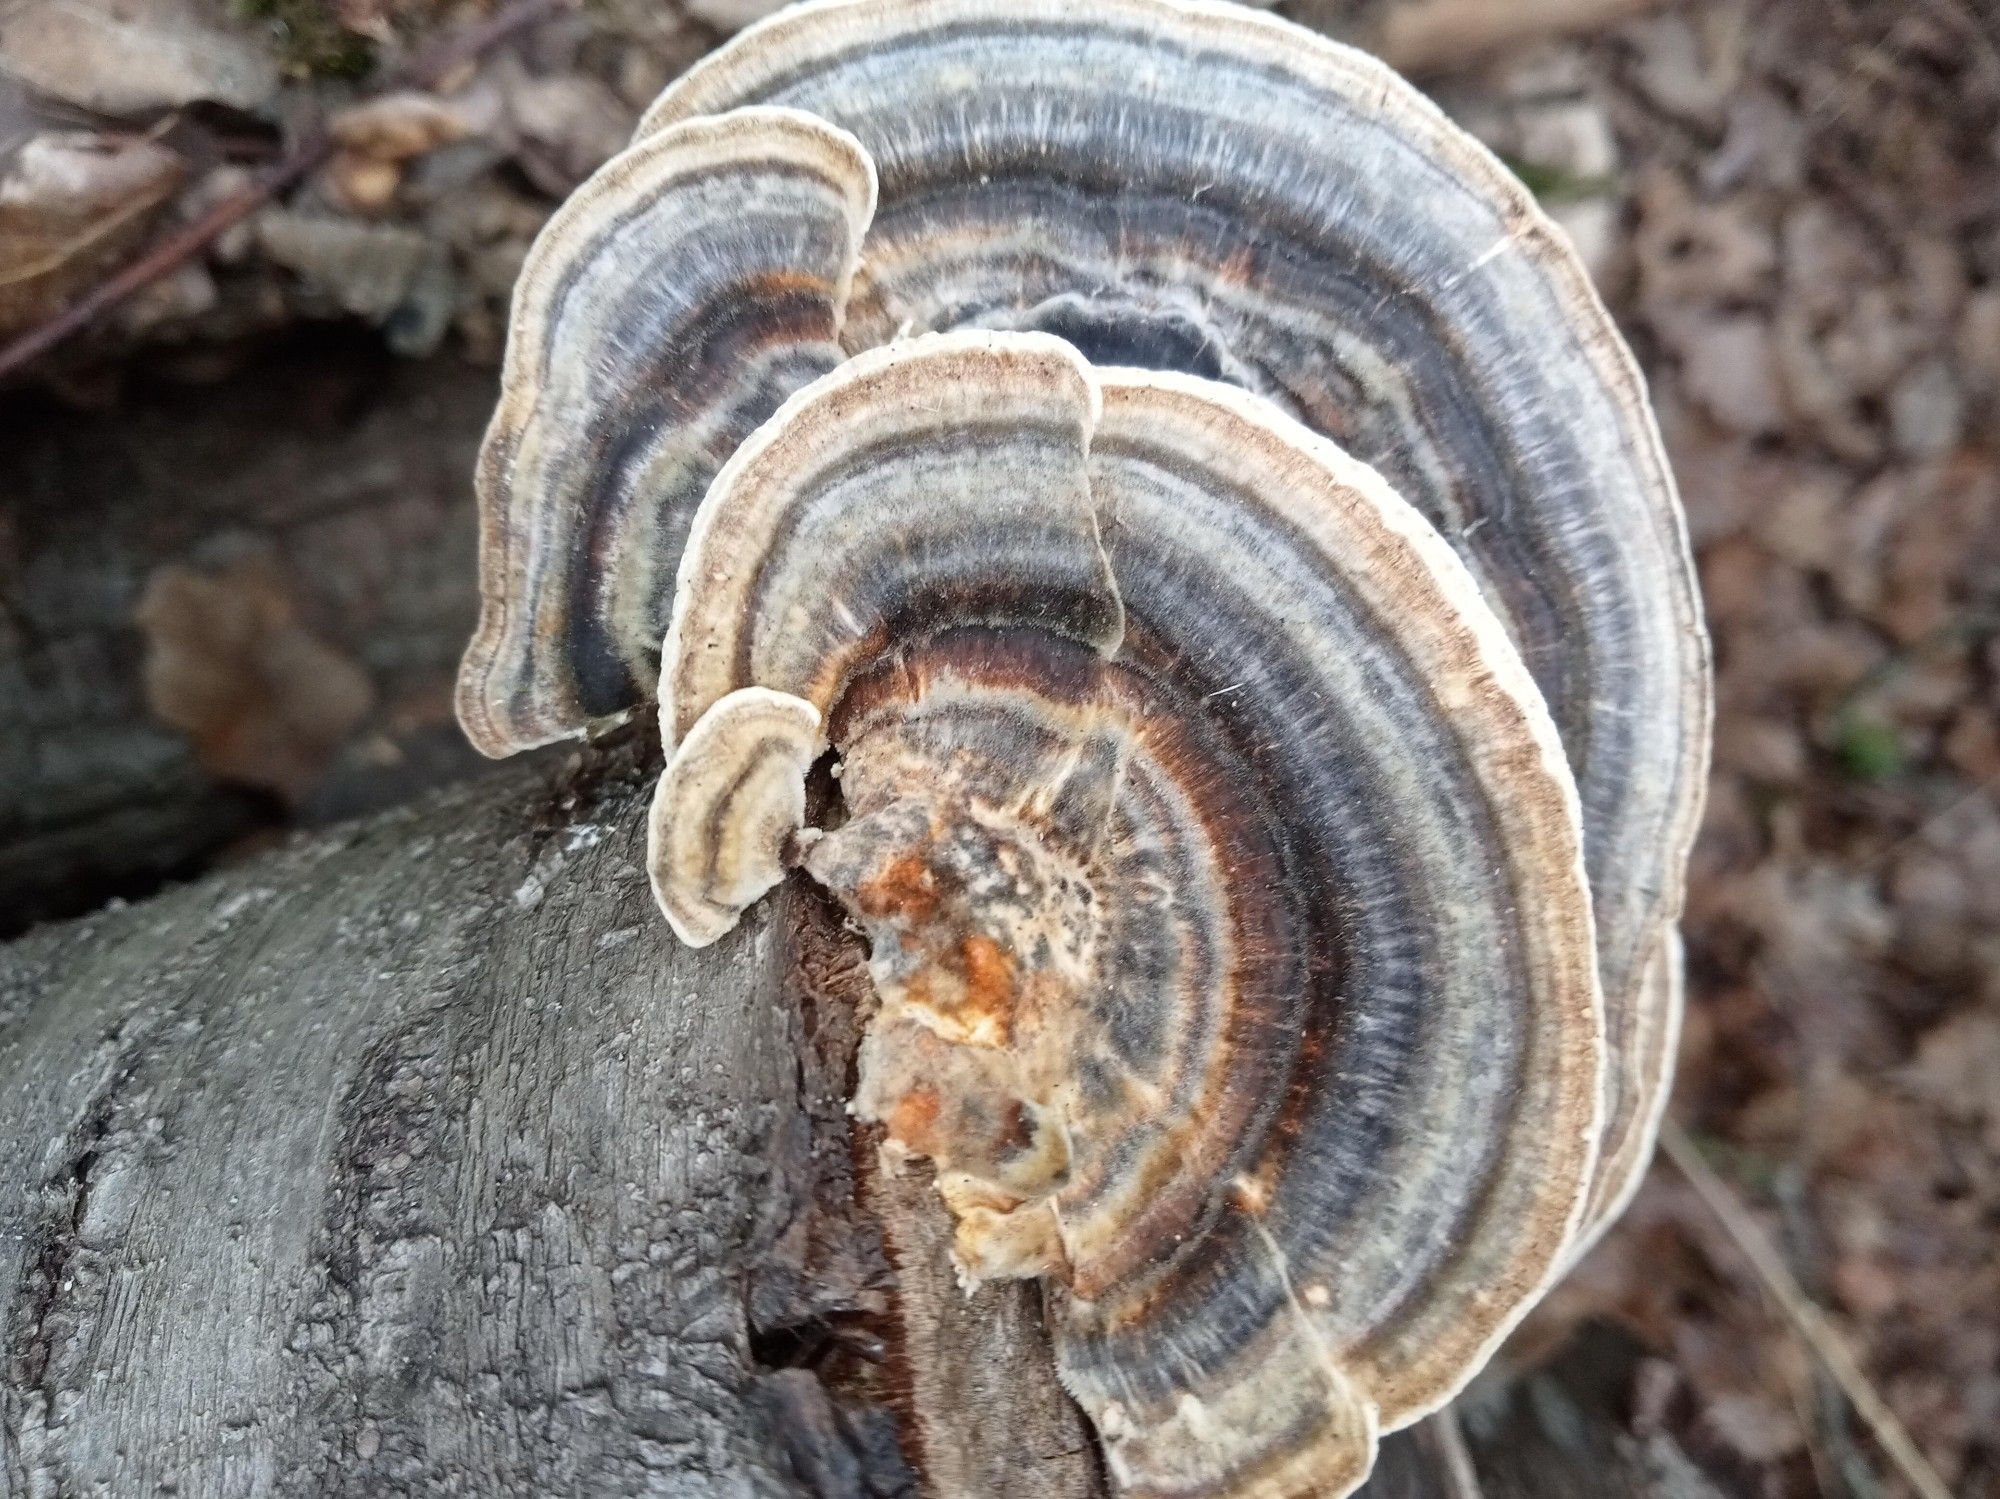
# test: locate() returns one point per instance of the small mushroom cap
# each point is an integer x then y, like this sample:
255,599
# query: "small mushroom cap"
1192,186
726,809
665,310
1221,869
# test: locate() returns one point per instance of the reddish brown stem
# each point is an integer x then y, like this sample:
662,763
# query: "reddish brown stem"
427,70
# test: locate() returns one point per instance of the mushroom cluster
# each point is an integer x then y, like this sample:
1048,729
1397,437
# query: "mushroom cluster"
1199,506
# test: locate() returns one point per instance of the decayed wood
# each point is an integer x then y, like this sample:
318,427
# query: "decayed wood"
418,1158
983,1359
412,1158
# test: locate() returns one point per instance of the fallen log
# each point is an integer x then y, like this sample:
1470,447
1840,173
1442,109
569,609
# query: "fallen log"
417,1157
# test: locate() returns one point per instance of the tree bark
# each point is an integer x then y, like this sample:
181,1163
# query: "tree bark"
418,1158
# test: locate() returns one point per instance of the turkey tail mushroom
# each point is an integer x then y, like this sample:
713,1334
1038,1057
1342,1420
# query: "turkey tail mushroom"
1173,184
1220,864
1193,186
678,296
739,790
1200,501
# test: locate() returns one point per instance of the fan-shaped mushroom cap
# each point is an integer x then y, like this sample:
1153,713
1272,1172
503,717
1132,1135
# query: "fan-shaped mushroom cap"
1221,868
739,790
668,307
1188,185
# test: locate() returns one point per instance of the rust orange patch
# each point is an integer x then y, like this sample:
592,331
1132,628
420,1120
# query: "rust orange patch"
913,1120
989,984
969,988
907,888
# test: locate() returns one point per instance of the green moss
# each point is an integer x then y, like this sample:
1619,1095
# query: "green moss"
1754,1171
1553,184
311,40
1867,748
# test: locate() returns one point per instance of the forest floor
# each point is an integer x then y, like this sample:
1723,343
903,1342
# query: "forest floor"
1805,250
1794,211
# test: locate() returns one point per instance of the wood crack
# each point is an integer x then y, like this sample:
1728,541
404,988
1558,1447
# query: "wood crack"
46,1275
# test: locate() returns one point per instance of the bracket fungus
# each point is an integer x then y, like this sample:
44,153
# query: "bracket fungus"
1199,504
1167,732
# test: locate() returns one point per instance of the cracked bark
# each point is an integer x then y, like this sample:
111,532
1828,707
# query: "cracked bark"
417,1158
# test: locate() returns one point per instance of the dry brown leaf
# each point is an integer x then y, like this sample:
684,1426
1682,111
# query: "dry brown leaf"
389,274
1957,1068
231,665
1430,36
70,204
134,56
403,124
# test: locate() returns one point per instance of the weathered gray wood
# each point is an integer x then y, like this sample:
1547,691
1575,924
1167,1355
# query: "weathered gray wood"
418,1158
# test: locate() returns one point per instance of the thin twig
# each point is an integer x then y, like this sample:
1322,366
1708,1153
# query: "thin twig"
165,255
1448,1437
1811,1323
427,70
